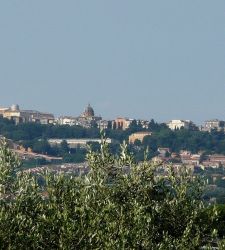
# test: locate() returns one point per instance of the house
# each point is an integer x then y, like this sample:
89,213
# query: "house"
178,124
67,120
121,123
188,158
214,161
138,136
163,151
213,124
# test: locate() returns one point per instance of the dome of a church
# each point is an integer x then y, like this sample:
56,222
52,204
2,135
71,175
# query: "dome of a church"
89,111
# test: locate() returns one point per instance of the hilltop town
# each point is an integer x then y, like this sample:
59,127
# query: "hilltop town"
88,119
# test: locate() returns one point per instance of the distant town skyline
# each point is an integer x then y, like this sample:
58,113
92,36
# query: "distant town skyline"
85,119
150,59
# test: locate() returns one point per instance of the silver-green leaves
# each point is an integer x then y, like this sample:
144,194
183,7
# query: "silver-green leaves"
118,205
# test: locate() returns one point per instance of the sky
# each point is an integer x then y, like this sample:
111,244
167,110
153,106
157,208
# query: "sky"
139,59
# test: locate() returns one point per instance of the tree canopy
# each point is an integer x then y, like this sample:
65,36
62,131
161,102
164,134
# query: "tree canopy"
118,205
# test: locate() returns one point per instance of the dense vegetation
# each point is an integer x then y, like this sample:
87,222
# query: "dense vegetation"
35,136
32,131
215,189
107,209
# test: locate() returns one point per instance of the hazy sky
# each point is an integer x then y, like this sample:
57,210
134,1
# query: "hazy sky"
161,59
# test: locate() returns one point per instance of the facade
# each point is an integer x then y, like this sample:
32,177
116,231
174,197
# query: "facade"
213,124
67,120
214,161
188,158
138,136
163,151
121,123
191,159
178,124
124,123
102,124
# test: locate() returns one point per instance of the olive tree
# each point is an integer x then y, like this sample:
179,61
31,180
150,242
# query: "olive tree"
119,204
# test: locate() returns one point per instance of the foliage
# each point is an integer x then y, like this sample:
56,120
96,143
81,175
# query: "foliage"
31,131
110,208
219,223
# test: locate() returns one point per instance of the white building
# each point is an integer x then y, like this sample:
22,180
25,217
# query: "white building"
67,120
73,143
178,124
213,124
103,124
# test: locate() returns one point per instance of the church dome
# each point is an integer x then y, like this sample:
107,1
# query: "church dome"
89,111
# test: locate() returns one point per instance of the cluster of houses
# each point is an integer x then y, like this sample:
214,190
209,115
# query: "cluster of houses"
209,125
68,168
185,157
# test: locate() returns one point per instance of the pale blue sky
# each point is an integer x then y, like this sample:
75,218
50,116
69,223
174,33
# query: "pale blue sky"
142,59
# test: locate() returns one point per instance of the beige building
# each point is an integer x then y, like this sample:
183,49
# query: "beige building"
138,136
121,123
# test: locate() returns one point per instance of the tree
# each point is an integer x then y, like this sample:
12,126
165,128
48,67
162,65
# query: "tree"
135,126
94,145
117,205
41,146
137,143
220,183
64,146
152,126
